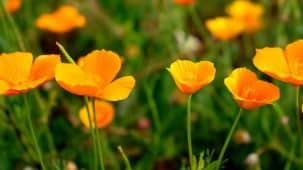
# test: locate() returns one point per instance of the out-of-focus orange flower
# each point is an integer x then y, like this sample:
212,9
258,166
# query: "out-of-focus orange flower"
248,91
184,2
224,28
104,114
189,76
248,13
63,20
94,75
18,72
13,5
285,65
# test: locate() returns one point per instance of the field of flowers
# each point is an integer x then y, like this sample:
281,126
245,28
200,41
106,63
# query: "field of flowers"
151,84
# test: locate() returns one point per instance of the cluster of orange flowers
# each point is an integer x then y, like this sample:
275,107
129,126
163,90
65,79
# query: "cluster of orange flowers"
247,90
244,16
93,77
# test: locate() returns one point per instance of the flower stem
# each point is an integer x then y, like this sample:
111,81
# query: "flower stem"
227,140
28,113
190,150
98,139
126,161
298,114
65,53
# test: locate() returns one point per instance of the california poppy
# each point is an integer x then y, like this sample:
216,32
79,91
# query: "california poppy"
248,91
285,65
248,13
94,76
189,76
224,28
104,114
18,72
13,5
63,20
184,2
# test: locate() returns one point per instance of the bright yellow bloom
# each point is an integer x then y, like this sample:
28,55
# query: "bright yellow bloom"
18,72
13,5
248,13
248,91
94,76
189,76
224,28
286,66
63,20
104,114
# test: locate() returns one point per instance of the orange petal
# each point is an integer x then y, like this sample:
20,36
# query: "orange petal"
43,68
118,89
73,79
294,55
105,64
206,72
15,67
4,87
272,62
104,114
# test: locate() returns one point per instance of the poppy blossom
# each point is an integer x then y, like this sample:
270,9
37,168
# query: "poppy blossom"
63,20
18,72
184,2
94,75
224,28
248,91
104,114
286,66
248,13
189,76
13,5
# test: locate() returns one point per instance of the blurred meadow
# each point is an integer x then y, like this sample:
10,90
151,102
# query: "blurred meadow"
150,123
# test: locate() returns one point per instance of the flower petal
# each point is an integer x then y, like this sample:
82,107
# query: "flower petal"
15,67
4,87
105,64
118,89
272,62
294,55
206,72
73,79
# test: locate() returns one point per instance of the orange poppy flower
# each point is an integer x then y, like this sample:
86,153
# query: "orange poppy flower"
189,76
285,65
13,5
62,20
224,28
94,75
18,72
248,91
184,2
248,13
104,114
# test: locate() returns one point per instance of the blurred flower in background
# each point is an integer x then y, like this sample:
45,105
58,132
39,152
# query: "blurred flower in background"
63,20
248,91
242,136
184,2
187,44
13,5
248,13
224,28
104,114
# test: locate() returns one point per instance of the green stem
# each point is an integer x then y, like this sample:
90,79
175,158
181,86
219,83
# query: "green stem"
298,114
281,113
28,113
13,26
153,107
190,151
65,53
99,140
126,161
227,140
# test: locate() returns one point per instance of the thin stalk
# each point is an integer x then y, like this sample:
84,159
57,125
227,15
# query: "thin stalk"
298,114
13,26
126,161
99,140
28,113
227,140
153,107
281,113
65,53
190,150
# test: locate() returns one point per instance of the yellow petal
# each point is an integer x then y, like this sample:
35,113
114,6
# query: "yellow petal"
294,55
118,89
73,79
4,87
206,72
